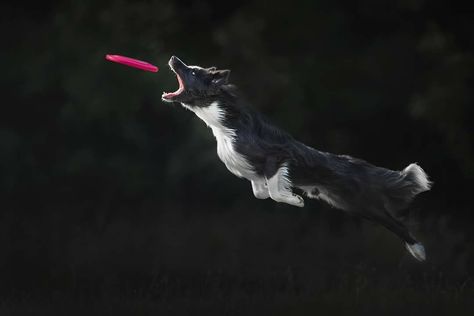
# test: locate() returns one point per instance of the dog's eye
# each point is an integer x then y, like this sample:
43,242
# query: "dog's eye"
193,73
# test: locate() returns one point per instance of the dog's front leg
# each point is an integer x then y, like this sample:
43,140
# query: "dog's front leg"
279,188
260,189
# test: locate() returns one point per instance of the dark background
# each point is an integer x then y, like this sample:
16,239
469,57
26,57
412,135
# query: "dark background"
113,202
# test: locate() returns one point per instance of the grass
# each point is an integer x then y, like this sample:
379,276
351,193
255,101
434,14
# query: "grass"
285,293
234,263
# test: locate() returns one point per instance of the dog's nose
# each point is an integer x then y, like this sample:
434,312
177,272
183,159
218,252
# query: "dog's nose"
176,61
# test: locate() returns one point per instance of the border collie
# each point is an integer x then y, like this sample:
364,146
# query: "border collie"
277,165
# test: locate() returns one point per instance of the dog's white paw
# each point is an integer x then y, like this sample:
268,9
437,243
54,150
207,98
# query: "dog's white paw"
294,200
261,194
288,198
300,201
416,250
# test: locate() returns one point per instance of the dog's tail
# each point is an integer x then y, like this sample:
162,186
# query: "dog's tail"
401,187
417,177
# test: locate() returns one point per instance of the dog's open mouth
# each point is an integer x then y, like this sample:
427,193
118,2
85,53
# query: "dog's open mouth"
171,95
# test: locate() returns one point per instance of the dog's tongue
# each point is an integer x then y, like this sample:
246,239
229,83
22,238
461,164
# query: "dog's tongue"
169,95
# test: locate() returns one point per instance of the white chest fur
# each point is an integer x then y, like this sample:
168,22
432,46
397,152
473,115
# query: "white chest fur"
212,115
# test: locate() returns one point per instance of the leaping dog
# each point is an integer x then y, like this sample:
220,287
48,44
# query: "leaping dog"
277,165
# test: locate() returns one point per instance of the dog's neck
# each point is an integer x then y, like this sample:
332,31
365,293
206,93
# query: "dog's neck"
213,115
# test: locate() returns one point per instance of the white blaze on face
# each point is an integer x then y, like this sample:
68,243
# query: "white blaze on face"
212,115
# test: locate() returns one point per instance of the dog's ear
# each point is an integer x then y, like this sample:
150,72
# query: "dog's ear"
221,76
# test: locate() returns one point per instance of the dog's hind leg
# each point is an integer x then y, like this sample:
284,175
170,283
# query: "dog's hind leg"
415,248
279,188
260,189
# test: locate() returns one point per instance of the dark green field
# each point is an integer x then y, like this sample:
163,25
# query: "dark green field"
226,264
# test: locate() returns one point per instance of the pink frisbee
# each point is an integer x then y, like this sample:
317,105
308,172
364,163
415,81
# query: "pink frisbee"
132,62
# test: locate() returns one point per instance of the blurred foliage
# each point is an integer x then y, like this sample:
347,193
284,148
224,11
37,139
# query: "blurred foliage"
99,179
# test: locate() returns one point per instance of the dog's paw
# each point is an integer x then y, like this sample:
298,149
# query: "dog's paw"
294,200
416,250
291,199
299,199
262,195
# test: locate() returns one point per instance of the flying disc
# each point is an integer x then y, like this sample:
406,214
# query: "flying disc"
132,62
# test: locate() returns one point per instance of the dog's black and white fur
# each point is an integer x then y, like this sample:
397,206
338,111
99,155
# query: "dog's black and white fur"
276,164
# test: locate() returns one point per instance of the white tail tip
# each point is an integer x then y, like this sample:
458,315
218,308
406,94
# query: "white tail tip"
416,250
420,176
